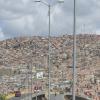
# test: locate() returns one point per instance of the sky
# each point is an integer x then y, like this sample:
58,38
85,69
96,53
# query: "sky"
26,17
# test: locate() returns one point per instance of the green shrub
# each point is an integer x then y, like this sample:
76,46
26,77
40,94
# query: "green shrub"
2,97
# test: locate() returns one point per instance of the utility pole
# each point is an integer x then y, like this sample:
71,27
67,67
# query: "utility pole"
49,53
31,79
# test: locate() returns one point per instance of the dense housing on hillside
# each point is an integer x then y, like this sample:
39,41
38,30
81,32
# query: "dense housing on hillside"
27,53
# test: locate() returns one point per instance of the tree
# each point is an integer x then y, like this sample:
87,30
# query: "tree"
2,97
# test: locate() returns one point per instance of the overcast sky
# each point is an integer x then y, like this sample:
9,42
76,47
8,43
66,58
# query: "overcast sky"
24,17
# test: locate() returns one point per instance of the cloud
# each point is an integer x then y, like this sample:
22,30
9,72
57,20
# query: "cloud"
24,17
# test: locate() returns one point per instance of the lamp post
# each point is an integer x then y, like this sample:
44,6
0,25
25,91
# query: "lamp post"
49,38
74,50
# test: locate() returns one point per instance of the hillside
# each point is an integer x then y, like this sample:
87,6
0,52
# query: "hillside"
24,51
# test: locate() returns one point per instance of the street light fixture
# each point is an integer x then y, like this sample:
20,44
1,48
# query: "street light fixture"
47,4
61,1
37,1
49,39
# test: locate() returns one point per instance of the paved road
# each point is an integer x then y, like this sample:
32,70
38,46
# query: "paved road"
28,97
57,97
53,97
23,97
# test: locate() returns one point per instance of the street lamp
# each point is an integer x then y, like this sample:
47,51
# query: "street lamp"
37,1
49,38
61,1
74,50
